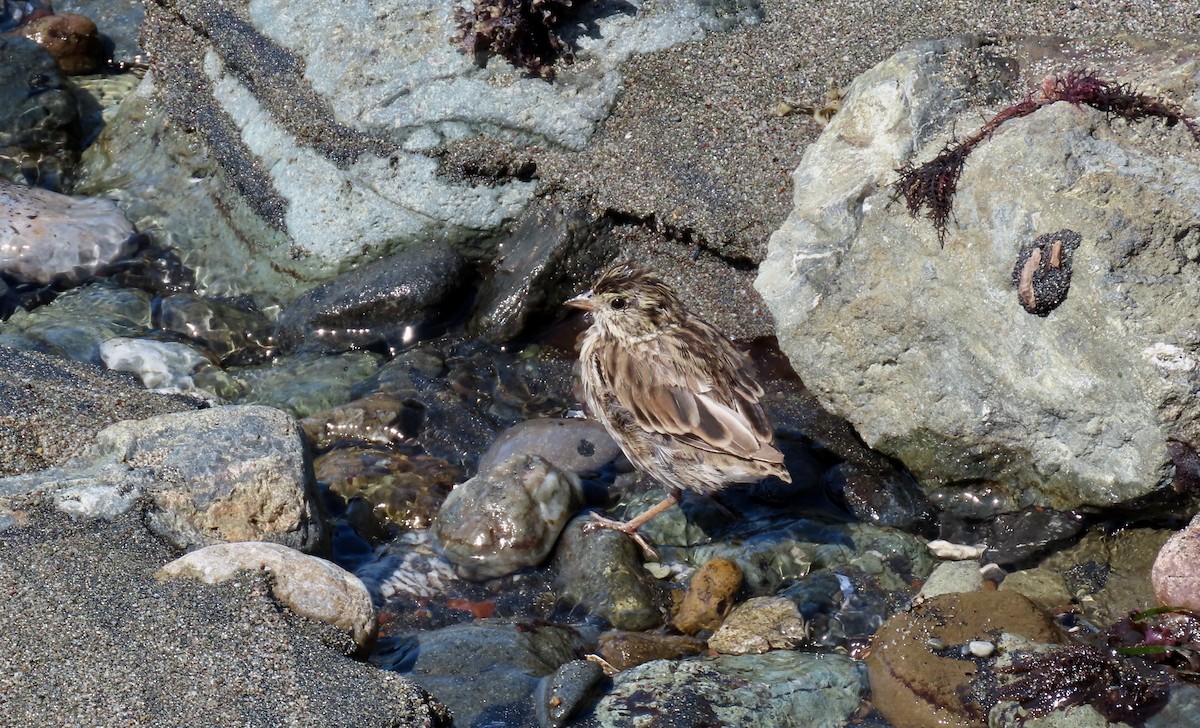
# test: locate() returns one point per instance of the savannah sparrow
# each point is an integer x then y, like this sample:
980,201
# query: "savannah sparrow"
673,392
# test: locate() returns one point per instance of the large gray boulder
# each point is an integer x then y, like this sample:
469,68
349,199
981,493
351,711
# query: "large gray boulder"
929,350
322,128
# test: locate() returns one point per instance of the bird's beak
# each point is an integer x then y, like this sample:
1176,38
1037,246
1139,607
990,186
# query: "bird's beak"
583,301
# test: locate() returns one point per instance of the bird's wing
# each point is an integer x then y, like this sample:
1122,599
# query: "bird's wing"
701,393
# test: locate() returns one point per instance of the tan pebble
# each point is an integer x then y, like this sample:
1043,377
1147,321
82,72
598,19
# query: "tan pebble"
709,596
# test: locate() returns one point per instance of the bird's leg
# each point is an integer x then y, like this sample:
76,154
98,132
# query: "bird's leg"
631,526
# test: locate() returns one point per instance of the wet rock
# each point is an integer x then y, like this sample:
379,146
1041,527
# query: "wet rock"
39,117
379,418
781,688
461,394
309,586
302,384
410,566
388,303
1176,571
72,40
601,571
562,693
1044,587
508,518
709,596
624,650
54,237
758,625
118,20
881,496
1110,574
210,476
579,446
918,675
484,671
548,249
77,322
235,334
51,408
1062,426
952,577
169,367
1023,537
400,488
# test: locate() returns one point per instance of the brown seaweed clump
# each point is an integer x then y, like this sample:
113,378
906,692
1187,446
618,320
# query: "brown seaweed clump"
930,187
1121,688
523,32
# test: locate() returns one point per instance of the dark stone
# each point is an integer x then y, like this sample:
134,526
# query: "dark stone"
536,268
389,303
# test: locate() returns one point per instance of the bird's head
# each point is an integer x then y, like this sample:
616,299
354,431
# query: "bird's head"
629,300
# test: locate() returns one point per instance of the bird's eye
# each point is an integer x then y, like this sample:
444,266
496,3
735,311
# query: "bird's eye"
617,303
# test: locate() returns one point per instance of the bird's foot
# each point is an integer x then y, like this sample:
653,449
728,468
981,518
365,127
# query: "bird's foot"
630,529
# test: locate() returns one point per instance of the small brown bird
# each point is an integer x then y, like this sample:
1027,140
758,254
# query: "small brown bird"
674,393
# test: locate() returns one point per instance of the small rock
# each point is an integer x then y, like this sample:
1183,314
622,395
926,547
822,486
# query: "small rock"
563,692
309,586
168,367
71,38
599,570
54,237
758,625
981,648
1043,587
624,650
709,596
953,576
399,488
956,551
508,518
579,446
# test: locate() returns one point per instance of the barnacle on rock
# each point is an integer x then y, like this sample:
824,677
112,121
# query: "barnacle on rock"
1121,688
931,186
1042,273
521,31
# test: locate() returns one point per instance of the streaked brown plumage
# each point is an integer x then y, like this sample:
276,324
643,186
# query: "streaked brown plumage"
674,393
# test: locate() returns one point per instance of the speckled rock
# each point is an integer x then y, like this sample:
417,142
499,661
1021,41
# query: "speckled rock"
781,689
563,692
1068,409
54,237
758,625
222,474
507,518
311,587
